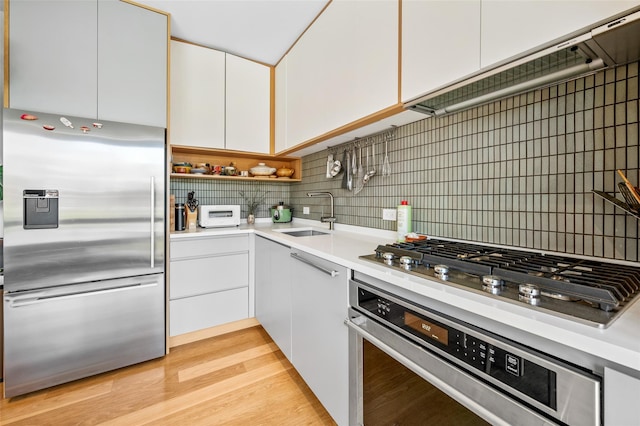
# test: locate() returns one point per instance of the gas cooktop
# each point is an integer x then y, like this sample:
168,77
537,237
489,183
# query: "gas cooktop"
589,291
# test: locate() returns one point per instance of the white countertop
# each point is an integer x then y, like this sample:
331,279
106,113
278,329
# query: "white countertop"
618,344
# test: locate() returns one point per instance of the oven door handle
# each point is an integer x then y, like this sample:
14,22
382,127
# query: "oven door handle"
355,323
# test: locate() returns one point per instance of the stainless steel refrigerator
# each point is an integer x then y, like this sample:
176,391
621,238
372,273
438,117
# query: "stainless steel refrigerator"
84,211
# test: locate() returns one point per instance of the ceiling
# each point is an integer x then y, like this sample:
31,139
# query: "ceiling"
261,30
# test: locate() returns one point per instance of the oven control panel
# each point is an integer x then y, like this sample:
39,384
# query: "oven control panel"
464,348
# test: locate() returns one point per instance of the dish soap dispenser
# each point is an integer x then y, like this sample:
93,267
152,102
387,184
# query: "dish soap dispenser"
404,220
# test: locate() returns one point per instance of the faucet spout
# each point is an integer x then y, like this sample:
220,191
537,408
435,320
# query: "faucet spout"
330,219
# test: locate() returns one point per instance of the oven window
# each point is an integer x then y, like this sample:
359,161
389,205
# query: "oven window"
395,395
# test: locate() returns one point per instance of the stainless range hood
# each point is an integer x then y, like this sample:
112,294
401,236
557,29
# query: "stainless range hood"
615,43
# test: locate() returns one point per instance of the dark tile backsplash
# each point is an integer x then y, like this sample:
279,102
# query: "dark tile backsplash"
515,172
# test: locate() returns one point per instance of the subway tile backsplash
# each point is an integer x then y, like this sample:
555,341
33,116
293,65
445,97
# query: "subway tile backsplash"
515,172
228,192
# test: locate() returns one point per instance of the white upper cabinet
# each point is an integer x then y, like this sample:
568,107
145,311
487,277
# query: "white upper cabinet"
219,100
52,63
248,105
440,44
132,64
344,68
104,60
512,27
197,96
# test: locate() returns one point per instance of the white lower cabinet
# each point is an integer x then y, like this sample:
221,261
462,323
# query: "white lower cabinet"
209,282
301,301
320,340
620,397
273,291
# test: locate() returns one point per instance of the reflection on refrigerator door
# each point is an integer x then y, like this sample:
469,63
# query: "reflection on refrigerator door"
73,331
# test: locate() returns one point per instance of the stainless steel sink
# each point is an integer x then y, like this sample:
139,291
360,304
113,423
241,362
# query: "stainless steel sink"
304,233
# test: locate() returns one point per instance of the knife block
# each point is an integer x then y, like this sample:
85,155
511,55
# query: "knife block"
192,217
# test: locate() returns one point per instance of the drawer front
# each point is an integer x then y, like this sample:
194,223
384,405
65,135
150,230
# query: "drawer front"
191,277
198,247
199,312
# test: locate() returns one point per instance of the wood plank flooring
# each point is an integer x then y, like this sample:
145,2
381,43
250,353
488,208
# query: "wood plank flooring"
238,378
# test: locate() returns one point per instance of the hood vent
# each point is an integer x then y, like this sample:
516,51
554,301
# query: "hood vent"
615,43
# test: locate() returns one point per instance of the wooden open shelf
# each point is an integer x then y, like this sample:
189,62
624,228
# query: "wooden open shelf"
242,161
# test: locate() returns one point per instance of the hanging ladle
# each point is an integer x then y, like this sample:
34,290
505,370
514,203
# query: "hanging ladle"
371,171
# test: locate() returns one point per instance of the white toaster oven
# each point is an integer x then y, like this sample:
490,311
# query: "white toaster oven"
214,216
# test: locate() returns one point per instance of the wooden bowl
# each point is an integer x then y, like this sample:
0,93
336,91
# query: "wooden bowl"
181,169
285,172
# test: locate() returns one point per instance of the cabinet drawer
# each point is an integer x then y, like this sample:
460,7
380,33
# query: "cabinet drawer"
195,313
190,277
198,247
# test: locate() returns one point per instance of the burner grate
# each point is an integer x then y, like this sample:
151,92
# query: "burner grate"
609,285
604,285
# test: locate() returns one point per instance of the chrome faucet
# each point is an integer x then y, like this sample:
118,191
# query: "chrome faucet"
331,219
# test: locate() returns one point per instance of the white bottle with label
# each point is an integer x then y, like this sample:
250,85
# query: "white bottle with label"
404,220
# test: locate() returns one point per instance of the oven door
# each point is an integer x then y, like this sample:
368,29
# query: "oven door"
395,379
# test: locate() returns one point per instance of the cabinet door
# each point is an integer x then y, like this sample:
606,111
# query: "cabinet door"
273,291
197,96
248,105
207,310
344,68
52,56
132,64
320,340
281,106
620,398
427,65
510,27
209,282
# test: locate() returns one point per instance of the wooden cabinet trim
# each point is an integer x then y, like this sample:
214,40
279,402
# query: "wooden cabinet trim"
370,119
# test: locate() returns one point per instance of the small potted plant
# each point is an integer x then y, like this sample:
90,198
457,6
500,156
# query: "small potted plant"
253,199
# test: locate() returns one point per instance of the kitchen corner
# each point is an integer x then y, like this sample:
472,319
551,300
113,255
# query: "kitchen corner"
403,247
614,350
347,243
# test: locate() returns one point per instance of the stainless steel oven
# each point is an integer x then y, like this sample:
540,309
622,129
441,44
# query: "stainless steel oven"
414,365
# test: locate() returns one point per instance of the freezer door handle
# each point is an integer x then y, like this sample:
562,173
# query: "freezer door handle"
153,223
18,301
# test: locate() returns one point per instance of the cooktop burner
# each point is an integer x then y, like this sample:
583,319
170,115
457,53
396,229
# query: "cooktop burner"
589,291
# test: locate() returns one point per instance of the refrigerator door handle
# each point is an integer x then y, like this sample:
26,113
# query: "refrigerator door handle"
153,223
43,297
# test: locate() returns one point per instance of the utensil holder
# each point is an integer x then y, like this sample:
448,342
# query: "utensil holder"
628,197
192,218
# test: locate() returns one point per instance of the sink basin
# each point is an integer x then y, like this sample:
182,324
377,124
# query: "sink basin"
304,233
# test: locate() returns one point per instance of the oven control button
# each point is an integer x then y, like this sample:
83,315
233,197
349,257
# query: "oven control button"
512,364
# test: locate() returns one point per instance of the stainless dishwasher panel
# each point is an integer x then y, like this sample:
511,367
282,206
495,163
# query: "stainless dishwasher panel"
68,332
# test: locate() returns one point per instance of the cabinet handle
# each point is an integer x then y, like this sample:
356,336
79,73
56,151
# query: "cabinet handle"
318,267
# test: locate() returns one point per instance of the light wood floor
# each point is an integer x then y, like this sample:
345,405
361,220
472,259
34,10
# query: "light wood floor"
239,378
